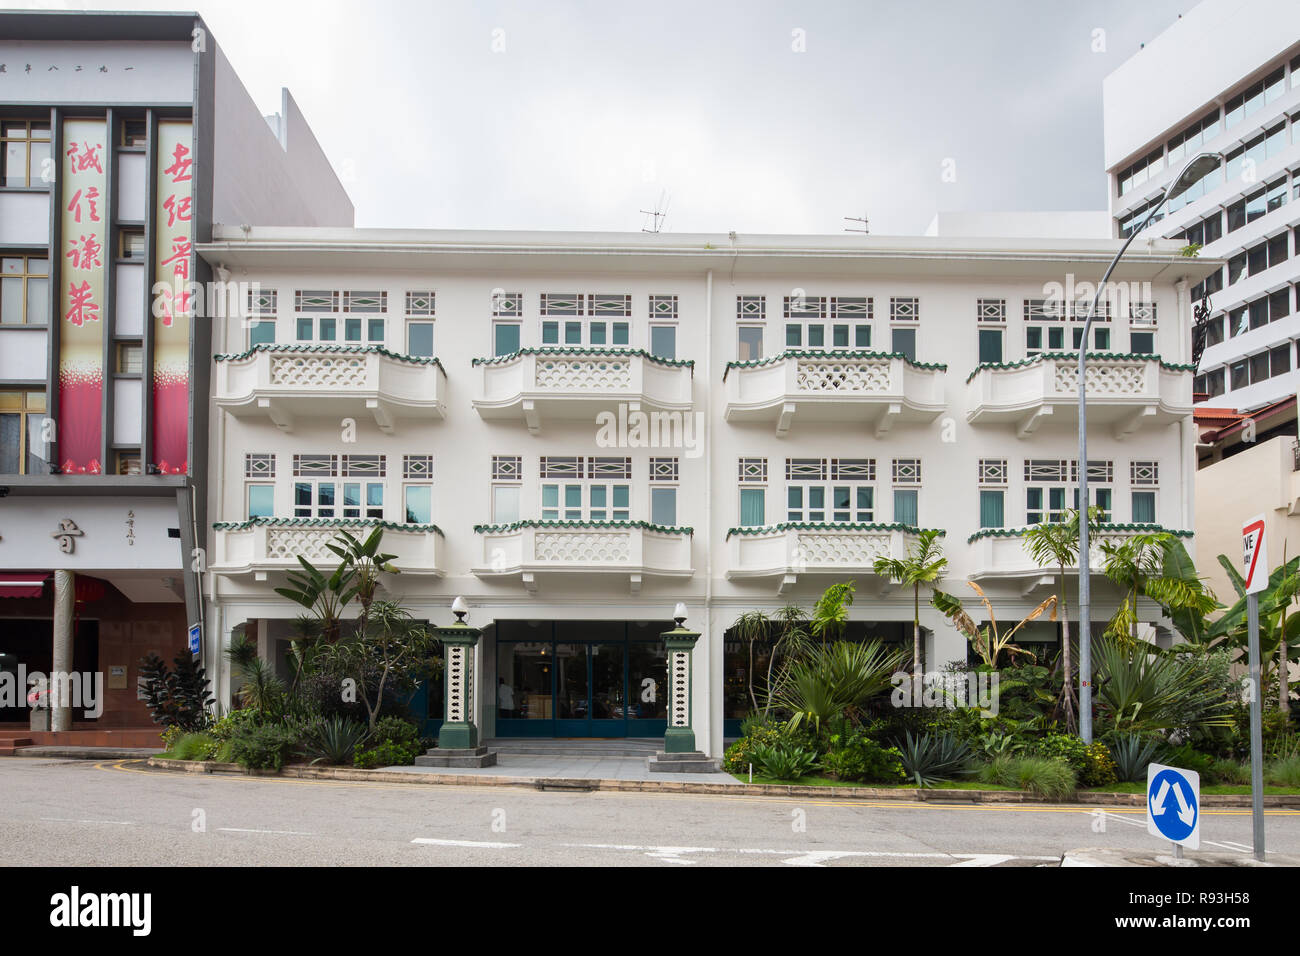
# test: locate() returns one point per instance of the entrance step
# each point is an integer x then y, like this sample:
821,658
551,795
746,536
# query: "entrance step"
472,757
695,762
8,745
577,746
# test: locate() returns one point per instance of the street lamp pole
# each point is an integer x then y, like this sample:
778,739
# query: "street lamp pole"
1195,170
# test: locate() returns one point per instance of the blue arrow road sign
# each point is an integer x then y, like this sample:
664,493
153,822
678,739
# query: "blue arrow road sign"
1173,804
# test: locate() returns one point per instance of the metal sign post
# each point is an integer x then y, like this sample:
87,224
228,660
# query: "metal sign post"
1255,570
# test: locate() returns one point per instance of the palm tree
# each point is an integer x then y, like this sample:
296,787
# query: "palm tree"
1156,566
924,564
1056,544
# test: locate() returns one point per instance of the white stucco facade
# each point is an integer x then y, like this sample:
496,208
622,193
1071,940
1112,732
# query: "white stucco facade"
864,417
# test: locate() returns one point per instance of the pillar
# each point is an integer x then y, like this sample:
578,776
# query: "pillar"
64,612
458,743
679,738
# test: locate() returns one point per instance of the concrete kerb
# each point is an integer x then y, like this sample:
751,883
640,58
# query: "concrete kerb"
935,796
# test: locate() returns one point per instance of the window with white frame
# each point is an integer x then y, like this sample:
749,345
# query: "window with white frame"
419,323
1101,478
751,308
907,491
596,488
749,343
838,490
262,308
991,319
663,491
507,316
586,320
417,489
752,475
259,485
338,486
1142,328
1101,340
1044,326
1144,477
993,492
318,320
904,313
507,473
1046,484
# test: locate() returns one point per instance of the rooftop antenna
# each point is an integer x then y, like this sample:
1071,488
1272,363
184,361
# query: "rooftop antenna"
658,214
863,219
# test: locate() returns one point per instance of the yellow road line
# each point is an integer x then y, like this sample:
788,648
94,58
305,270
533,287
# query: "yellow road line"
120,766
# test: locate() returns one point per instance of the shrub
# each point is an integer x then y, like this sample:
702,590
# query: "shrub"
782,762
225,753
858,757
229,725
170,736
395,743
1132,753
1067,747
334,740
194,747
758,733
1098,768
177,697
1186,757
1284,772
1051,777
1230,771
262,746
930,759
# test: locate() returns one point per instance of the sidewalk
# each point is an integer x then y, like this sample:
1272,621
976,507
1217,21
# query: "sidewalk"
567,767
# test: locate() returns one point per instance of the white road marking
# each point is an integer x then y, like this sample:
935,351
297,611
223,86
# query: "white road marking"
809,857
116,823
242,830
475,844
993,859
1227,845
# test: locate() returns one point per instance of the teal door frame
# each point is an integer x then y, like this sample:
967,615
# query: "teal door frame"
588,726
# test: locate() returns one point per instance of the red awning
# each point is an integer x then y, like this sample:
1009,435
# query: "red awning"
22,584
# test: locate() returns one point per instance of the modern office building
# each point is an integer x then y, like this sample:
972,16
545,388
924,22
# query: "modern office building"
1225,77
576,431
123,139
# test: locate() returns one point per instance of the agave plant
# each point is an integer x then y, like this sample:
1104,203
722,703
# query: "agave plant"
784,763
1142,692
931,759
333,740
1132,753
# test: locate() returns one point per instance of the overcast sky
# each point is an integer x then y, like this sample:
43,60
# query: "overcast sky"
753,116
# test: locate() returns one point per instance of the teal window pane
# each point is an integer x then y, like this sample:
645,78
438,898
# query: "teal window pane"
263,333
375,330
862,336
991,509
374,494
663,506
793,336
866,503
1144,507
1034,340
302,499
794,502
816,504
904,342
598,496
327,330
1055,339
550,333
505,338
905,507
752,501
419,504
841,503
1101,339
620,333
419,339
663,341
572,333
840,336
990,345
325,500
1142,343
261,501
596,333
816,336
1104,501
352,330
621,496
304,330
573,496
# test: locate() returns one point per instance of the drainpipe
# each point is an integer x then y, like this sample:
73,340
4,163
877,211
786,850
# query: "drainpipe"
714,672
61,669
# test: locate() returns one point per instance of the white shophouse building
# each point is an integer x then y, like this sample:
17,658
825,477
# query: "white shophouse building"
1226,78
817,400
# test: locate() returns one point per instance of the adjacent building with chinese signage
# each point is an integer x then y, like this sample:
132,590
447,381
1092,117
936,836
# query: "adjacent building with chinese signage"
123,139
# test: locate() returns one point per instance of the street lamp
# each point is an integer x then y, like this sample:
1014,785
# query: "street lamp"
1196,169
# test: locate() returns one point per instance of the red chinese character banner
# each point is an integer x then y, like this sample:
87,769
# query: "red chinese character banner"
83,199
173,297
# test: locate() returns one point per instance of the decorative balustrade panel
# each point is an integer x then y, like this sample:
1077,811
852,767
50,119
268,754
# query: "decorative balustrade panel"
319,371
285,544
848,375
584,373
1107,378
586,547
847,550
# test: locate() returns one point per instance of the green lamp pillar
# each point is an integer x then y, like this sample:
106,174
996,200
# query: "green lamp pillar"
458,743
680,754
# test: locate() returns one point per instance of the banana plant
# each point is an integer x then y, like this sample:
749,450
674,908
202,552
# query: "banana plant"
366,561
990,643
1279,629
324,596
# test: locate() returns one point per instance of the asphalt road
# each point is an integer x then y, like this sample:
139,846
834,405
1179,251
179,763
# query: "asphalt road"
81,813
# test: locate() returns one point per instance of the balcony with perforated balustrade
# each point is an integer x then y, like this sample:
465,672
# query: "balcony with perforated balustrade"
535,385
999,554
291,383
530,552
783,553
1125,392
266,548
878,389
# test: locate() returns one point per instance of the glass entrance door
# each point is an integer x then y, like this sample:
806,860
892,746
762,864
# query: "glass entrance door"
592,679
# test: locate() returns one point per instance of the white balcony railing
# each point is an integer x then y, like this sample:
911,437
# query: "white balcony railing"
536,384
261,546
1125,392
999,554
792,549
878,388
289,382
635,549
